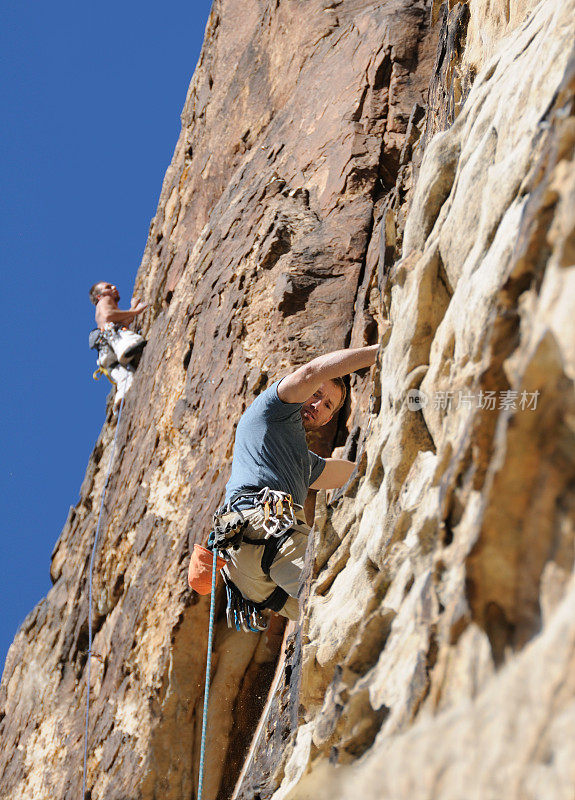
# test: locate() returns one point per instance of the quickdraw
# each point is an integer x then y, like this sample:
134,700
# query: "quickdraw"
241,613
229,524
279,515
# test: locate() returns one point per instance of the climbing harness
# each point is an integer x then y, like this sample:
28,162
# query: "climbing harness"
207,684
274,513
90,581
229,523
115,345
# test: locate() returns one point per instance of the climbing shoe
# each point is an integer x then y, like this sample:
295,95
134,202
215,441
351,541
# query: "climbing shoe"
126,344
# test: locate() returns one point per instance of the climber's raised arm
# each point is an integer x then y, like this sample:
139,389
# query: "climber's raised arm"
307,379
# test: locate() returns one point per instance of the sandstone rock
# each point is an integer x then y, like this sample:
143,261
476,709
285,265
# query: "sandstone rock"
291,132
465,531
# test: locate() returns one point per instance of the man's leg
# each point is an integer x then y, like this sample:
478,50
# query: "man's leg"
287,566
123,376
244,569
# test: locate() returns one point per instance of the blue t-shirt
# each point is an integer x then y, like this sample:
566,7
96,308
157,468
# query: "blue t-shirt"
271,449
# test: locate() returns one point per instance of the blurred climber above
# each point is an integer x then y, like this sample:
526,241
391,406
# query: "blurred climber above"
105,296
119,349
261,529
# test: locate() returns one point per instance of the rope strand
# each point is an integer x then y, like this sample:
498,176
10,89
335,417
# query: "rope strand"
208,670
90,578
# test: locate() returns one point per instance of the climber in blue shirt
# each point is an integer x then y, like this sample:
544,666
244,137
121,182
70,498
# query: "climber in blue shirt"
262,526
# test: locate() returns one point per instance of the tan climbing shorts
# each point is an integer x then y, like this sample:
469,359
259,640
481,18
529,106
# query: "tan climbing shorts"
244,567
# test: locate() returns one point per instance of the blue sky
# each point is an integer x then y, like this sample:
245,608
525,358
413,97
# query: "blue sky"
91,95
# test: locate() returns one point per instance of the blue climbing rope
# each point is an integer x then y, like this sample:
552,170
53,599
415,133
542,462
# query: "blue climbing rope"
208,670
91,572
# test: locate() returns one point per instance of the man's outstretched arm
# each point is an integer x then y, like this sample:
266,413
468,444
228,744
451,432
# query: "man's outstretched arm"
301,384
336,473
107,311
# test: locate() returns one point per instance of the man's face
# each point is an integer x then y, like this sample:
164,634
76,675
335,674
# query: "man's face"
318,410
108,290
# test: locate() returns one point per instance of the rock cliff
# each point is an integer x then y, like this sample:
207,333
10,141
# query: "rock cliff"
341,162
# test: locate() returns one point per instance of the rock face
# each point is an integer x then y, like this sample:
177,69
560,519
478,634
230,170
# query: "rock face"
340,163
